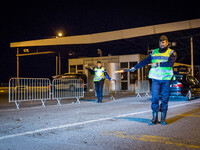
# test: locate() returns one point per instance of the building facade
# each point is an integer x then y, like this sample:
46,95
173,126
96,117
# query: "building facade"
124,81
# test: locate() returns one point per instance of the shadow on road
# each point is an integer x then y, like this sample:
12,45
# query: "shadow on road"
140,120
169,120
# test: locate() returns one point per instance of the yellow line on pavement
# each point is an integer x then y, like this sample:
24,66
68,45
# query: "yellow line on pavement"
189,115
180,116
155,139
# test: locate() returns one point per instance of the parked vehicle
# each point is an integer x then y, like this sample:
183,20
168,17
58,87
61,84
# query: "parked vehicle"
178,70
69,84
185,86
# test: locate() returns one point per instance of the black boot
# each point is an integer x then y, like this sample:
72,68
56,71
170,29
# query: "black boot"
154,119
100,101
163,116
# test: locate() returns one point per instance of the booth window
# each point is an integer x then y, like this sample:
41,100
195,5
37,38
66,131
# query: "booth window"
124,64
72,68
133,75
124,76
124,86
79,67
132,64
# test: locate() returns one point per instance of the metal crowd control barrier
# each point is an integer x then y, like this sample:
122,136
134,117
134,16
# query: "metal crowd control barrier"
109,88
67,88
142,86
29,89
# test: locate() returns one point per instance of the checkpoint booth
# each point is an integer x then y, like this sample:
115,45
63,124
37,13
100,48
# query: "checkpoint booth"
124,81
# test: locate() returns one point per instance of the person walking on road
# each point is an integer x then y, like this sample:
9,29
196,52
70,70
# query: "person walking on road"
100,74
162,60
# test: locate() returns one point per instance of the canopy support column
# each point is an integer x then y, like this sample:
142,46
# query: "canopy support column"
17,63
192,56
59,64
56,65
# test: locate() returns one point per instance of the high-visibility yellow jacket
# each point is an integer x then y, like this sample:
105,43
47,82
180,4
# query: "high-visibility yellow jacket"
99,74
161,73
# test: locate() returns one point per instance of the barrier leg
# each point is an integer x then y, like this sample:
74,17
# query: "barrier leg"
17,104
112,97
77,100
43,102
147,94
138,95
58,100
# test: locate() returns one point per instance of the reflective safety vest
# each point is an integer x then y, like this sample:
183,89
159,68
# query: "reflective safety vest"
99,74
161,73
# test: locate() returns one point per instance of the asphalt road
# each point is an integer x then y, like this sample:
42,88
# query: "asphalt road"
113,125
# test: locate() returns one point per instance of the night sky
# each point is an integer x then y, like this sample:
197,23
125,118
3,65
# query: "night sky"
36,20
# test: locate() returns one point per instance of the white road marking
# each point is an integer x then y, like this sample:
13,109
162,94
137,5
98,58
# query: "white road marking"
85,122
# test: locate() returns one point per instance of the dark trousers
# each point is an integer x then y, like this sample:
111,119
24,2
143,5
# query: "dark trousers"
99,89
160,87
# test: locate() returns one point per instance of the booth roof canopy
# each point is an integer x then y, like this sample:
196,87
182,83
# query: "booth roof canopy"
112,35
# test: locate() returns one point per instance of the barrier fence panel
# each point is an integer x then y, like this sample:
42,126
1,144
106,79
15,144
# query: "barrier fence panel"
67,88
29,89
142,86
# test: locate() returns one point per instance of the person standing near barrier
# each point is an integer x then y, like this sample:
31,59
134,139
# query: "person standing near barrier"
100,74
162,60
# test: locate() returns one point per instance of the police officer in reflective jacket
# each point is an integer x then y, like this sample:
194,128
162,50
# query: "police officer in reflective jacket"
100,75
162,60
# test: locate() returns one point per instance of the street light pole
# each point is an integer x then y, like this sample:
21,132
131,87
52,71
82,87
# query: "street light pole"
17,63
56,65
192,57
59,64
